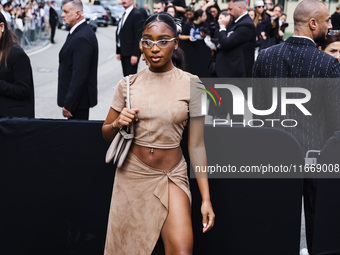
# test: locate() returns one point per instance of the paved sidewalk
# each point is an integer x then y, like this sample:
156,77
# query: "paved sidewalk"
29,49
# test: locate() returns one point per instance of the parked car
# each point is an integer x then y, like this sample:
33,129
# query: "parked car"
116,13
100,12
107,4
90,17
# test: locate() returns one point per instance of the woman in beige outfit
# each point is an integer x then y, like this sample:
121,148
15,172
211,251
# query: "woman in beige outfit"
151,196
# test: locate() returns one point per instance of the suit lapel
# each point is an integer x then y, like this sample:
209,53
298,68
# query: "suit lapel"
127,20
69,39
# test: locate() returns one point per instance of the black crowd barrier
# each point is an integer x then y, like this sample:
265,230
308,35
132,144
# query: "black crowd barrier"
253,216
56,190
327,232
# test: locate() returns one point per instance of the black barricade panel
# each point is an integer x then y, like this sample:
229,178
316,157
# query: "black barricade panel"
56,187
56,191
253,216
327,232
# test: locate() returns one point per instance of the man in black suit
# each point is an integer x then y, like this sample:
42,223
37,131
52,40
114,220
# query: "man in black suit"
336,18
53,20
298,57
235,51
127,38
236,43
78,63
145,12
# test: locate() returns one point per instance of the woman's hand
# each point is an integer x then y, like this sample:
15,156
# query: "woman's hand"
125,118
208,216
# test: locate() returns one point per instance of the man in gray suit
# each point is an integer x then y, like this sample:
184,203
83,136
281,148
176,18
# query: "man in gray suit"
298,57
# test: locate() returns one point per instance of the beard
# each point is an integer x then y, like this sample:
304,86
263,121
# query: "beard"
321,39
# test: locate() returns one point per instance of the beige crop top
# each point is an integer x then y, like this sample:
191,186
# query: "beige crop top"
164,104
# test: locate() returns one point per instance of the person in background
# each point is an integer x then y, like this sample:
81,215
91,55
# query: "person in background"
180,7
171,10
47,25
158,6
336,18
16,80
127,38
283,25
251,14
53,19
193,41
268,7
235,57
189,14
7,7
297,57
78,64
213,13
331,46
275,37
145,11
262,24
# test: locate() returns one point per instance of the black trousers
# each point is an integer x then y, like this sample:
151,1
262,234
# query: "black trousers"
127,67
80,114
309,197
53,27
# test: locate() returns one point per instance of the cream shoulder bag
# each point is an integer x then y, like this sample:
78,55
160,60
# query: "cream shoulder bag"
121,144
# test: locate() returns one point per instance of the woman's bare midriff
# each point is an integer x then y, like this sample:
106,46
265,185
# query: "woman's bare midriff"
164,159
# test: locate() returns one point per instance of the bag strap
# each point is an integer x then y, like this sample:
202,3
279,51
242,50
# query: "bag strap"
128,92
128,105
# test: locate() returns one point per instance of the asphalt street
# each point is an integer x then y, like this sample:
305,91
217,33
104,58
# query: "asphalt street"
45,74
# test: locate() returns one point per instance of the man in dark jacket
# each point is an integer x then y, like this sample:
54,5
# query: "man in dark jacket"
236,43
127,38
78,64
298,57
53,20
336,18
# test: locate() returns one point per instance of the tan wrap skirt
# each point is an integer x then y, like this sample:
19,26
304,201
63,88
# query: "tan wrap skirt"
139,206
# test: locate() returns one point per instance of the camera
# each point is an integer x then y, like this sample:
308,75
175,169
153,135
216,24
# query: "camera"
284,24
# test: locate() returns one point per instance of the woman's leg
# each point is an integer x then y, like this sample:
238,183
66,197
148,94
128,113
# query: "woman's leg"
177,232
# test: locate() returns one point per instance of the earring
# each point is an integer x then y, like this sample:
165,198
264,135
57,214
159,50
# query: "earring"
2,31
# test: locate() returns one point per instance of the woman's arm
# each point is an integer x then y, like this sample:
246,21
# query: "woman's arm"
198,158
116,120
185,37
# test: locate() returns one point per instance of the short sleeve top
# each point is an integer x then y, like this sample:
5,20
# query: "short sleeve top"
165,102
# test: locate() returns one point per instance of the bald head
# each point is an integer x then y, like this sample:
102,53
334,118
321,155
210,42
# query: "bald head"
241,4
305,10
236,8
312,19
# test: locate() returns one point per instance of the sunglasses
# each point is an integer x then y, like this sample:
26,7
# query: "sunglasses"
146,43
